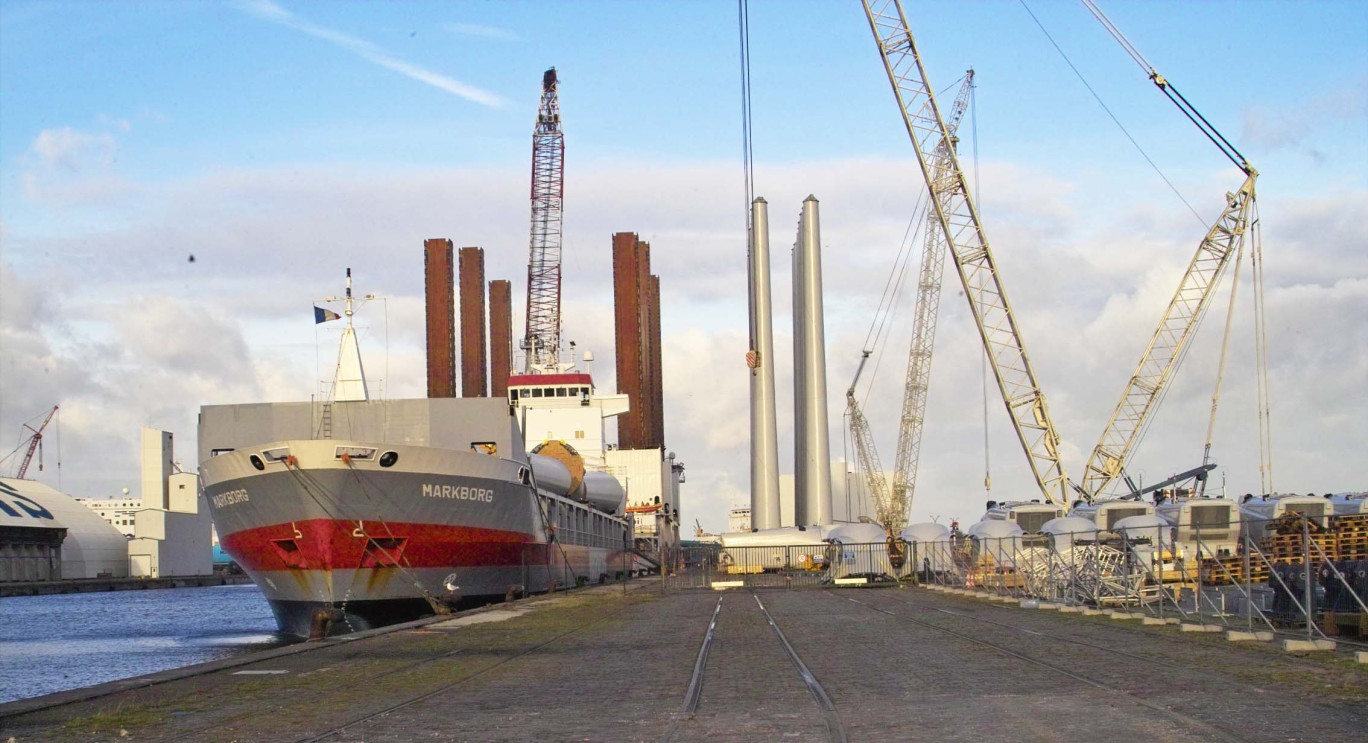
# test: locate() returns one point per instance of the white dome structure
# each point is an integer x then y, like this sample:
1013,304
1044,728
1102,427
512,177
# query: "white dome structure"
90,548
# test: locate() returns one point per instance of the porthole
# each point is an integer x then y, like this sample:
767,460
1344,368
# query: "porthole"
389,458
256,462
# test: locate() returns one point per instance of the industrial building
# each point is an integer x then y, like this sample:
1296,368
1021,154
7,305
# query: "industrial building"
46,535
636,306
474,371
500,336
172,532
441,318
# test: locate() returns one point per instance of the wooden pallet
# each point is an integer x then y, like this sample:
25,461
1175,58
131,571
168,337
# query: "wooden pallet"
1227,570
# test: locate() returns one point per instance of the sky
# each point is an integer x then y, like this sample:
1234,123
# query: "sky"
282,142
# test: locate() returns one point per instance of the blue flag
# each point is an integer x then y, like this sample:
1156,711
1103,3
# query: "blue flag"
322,315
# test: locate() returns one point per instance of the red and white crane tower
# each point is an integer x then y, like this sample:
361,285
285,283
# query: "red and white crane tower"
542,343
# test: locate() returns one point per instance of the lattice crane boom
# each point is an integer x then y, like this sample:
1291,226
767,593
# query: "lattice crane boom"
1225,238
927,311
968,244
542,341
886,511
892,505
35,443
1160,360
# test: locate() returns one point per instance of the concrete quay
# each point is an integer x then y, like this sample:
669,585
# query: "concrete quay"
883,664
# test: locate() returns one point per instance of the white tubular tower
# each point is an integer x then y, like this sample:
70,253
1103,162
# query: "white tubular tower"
812,477
764,435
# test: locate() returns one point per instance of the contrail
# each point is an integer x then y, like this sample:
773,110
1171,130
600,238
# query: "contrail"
269,11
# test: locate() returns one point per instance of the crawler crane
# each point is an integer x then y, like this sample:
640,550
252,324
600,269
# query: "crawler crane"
891,506
1157,365
958,220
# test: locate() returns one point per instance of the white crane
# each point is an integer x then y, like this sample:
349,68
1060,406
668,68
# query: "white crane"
1157,365
891,507
958,220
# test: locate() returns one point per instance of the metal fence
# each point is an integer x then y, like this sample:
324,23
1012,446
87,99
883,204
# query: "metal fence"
1296,575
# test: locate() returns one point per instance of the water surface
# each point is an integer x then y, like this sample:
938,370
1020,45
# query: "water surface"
54,643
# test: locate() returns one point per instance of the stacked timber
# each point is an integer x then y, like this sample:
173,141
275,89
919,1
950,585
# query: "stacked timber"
1351,532
1220,571
1345,539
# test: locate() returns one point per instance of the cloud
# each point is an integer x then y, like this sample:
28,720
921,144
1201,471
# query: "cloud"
270,11
71,149
122,326
66,166
484,32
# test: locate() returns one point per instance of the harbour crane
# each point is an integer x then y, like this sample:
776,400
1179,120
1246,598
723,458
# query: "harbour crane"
958,220
35,444
1224,239
542,341
891,506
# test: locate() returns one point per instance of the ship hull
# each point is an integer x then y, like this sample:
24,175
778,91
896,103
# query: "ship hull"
381,545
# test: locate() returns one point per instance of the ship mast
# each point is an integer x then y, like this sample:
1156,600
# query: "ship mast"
349,378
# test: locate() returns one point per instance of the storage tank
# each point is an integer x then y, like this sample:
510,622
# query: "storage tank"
1260,511
1215,522
551,474
1105,513
1063,533
603,491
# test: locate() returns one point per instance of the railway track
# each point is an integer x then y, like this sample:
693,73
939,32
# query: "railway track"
1207,730
694,693
410,701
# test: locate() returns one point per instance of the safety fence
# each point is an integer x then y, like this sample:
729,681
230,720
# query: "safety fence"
1298,574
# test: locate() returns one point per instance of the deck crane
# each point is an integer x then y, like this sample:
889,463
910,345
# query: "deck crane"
958,219
35,444
891,506
1165,350
541,344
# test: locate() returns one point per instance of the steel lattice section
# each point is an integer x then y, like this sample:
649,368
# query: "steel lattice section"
542,341
1166,347
969,250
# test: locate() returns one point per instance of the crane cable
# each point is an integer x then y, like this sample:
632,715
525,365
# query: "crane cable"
1113,117
1256,251
747,174
983,357
1261,358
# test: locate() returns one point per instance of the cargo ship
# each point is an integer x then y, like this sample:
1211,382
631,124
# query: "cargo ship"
354,513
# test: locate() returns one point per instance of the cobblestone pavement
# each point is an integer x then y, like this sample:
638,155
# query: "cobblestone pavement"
596,665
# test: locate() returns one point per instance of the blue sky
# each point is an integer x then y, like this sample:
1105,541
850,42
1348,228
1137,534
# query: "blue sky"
281,141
